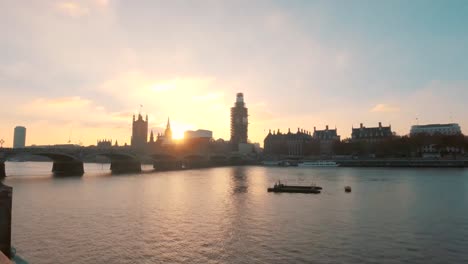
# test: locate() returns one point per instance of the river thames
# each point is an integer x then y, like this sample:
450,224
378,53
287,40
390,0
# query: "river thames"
226,215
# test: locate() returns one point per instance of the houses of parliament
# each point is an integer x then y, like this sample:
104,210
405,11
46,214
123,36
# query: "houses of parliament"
200,140
139,138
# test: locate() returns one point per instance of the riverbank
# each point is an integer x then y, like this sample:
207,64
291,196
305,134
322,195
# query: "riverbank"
405,163
383,163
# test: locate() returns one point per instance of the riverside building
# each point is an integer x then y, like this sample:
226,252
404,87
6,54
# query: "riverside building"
326,139
371,134
290,144
433,129
198,134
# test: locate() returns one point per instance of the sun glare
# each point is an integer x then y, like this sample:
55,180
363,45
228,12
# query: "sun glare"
160,87
179,129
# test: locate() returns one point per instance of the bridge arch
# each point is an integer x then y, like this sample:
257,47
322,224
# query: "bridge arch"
62,164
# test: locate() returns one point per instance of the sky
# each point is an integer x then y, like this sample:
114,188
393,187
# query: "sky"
76,71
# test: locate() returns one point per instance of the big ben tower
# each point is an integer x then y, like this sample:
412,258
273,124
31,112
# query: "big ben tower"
239,122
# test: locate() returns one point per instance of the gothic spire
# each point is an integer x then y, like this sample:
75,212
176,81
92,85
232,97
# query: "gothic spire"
168,132
151,137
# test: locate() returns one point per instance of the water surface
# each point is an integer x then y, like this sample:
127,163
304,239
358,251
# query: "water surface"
225,215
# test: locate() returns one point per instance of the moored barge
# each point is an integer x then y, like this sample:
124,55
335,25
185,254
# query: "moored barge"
279,187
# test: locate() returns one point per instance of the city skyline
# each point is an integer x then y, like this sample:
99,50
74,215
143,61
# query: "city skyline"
77,70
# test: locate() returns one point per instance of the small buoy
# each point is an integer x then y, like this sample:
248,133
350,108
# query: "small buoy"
347,189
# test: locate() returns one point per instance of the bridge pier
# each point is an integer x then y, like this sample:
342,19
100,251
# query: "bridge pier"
167,165
68,168
2,169
125,166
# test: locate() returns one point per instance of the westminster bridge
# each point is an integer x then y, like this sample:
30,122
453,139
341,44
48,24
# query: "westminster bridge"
70,160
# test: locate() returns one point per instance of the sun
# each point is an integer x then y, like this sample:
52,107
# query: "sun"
179,129
177,134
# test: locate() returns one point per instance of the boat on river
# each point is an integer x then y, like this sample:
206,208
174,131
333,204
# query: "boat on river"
280,187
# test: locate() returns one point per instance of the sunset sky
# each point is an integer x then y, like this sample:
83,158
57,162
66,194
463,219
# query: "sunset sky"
79,70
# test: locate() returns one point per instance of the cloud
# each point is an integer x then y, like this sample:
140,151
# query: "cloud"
14,70
73,109
342,60
277,21
385,108
129,53
122,115
52,120
208,97
447,97
61,102
102,3
141,87
72,9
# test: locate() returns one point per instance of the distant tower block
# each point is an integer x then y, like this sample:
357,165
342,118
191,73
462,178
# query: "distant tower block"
19,137
239,122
